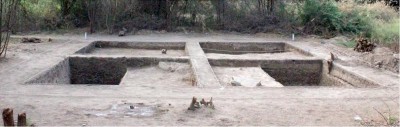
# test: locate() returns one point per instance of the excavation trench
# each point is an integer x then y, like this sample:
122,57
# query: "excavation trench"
111,71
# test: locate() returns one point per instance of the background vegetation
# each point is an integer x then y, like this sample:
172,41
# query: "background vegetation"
375,19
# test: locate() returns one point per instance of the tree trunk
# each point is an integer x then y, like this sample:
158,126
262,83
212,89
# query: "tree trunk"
271,5
168,15
91,10
7,9
261,6
220,9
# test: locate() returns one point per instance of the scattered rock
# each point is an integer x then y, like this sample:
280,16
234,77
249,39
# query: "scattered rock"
174,67
235,83
357,118
247,82
164,51
123,110
122,32
378,64
30,40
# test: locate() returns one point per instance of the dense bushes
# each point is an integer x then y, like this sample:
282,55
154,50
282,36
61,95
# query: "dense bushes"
376,21
322,17
325,17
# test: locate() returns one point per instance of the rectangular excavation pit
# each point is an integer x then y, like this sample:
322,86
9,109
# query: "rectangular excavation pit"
143,71
235,50
134,48
77,70
275,73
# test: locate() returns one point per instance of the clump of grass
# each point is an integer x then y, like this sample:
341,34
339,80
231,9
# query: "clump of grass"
376,21
386,32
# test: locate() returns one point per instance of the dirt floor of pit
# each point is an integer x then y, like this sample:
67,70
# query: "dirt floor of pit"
245,76
137,52
283,55
50,105
168,74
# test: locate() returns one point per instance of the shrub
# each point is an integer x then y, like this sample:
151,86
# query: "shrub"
321,17
356,22
376,21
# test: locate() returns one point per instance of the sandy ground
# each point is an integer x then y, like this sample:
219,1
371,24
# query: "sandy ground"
137,52
77,105
165,74
380,58
286,55
245,74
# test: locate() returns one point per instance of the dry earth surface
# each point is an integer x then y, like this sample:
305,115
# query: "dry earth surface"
158,101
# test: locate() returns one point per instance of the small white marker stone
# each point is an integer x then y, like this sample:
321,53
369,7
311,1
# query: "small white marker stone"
85,35
357,118
292,37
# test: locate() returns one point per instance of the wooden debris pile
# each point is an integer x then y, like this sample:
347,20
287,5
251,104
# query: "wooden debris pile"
30,40
196,105
363,45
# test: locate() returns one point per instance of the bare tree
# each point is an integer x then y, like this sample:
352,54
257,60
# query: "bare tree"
7,12
91,10
271,4
220,10
262,6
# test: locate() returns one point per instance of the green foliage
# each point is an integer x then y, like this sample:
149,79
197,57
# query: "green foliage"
356,22
376,21
42,13
321,16
386,32
41,8
325,16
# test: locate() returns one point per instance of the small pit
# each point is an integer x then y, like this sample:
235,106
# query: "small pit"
96,71
144,71
77,70
274,73
295,72
134,48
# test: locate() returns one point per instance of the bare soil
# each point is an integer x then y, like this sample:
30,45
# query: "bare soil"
166,74
287,55
227,74
137,52
165,96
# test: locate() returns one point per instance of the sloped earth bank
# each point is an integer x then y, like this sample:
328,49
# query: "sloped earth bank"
380,58
166,104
